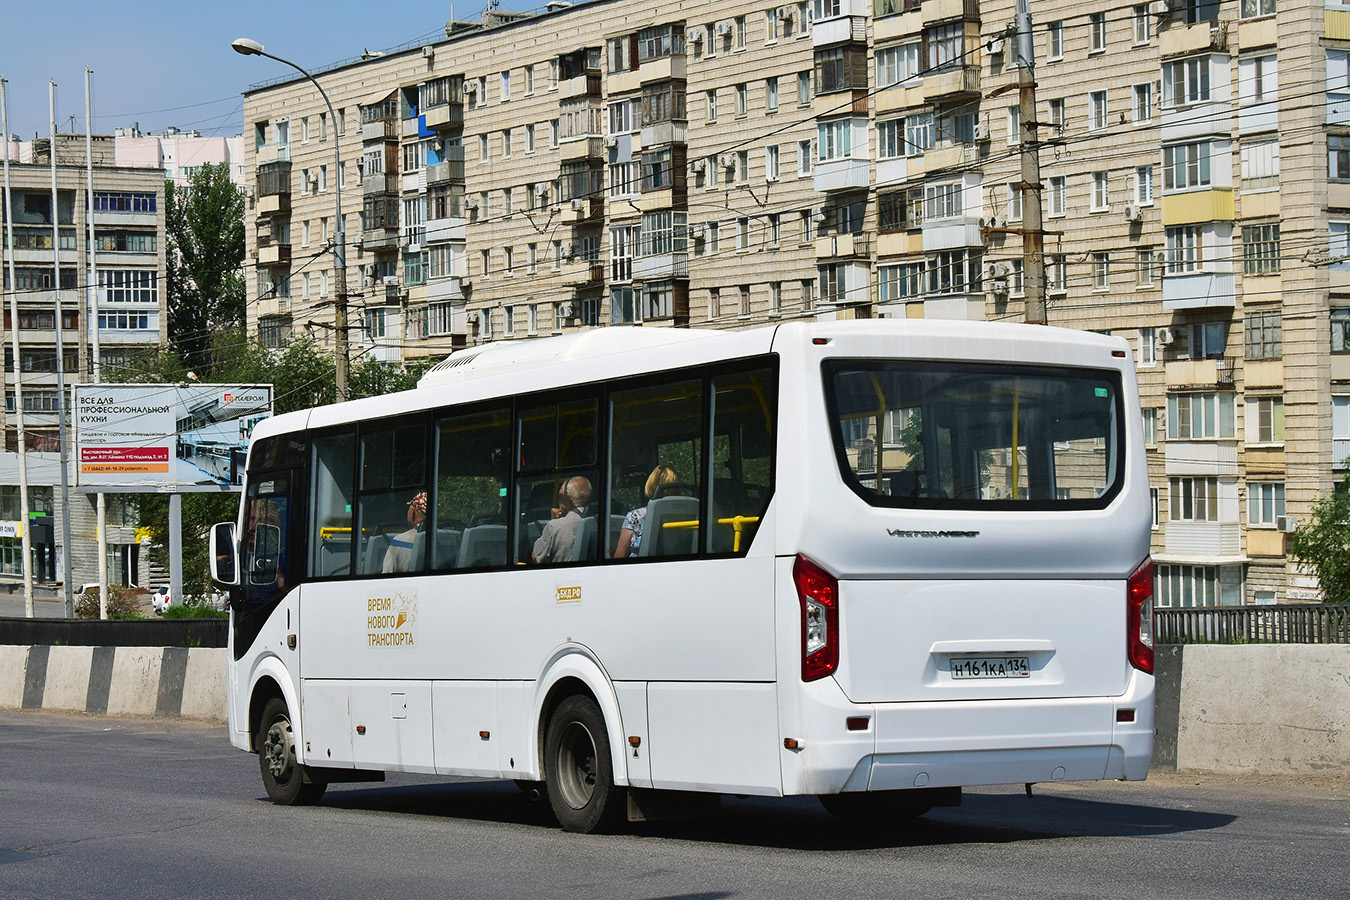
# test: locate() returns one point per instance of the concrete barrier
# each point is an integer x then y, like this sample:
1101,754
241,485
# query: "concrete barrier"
173,682
1259,709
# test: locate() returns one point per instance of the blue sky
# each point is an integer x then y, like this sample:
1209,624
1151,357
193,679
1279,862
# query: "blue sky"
170,63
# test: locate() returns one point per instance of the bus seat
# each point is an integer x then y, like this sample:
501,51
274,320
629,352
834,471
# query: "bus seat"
446,552
615,526
658,540
376,547
583,549
483,545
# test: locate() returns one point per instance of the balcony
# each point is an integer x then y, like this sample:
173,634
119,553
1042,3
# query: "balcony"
941,10
586,85
451,288
267,153
663,266
951,84
451,169
842,174
274,254
1200,290
1340,454
1203,540
380,184
845,246
663,68
273,204
1200,373
380,130
439,231
589,147
1197,207
582,273
447,116
841,29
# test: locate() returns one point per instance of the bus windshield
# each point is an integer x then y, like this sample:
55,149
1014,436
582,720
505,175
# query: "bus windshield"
962,435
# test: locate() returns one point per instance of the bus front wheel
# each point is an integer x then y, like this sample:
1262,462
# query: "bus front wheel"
282,775
579,769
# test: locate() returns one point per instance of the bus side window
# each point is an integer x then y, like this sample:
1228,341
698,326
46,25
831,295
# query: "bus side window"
742,457
473,473
557,443
266,532
656,442
392,503
330,532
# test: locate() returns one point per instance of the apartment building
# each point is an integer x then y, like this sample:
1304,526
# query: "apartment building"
179,153
617,163
128,313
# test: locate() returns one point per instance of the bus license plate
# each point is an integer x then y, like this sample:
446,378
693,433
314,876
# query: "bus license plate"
991,667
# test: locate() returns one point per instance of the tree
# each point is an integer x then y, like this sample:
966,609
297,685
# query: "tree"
1322,543
205,277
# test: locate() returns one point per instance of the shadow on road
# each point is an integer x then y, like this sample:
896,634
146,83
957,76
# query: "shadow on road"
800,823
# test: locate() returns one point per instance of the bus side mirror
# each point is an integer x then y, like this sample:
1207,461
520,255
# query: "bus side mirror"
224,554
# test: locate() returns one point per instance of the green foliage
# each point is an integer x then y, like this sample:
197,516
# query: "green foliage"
194,611
123,603
1322,543
204,277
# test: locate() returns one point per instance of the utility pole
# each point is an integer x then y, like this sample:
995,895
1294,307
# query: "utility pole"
61,404
25,521
1033,237
91,326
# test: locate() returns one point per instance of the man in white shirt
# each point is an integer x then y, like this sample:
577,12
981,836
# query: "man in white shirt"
560,534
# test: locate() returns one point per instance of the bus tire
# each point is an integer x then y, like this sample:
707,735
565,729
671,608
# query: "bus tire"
874,806
284,777
579,770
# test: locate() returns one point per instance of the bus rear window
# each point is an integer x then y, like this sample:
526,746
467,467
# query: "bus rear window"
967,435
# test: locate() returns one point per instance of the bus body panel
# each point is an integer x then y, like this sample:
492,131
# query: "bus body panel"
268,657
715,737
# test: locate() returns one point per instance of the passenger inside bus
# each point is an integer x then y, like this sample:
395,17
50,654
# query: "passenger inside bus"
630,535
399,556
558,543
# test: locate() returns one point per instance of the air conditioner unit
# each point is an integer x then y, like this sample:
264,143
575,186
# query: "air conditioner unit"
787,13
389,281
1286,524
724,28
696,37
998,286
699,166
696,231
567,309
541,190
1161,7
471,87
1175,334
994,46
726,160
818,215
1133,213
999,270
471,203
981,131
578,205
611,140
428,52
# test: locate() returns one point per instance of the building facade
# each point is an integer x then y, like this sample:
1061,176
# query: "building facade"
179,153
126,311
624,163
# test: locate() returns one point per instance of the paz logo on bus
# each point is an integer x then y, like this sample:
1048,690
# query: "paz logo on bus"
391,621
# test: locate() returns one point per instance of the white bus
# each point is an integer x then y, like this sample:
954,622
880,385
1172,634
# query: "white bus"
883,560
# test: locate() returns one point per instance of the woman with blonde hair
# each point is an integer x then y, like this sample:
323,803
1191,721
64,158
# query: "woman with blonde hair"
630,536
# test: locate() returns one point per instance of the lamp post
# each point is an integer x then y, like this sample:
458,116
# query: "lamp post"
250,47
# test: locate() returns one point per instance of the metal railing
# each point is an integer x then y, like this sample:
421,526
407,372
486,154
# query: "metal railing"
1321,623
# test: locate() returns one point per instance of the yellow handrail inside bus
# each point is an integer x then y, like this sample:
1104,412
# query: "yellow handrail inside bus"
736,522
328,532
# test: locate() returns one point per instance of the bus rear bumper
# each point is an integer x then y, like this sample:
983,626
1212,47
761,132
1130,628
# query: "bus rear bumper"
960,743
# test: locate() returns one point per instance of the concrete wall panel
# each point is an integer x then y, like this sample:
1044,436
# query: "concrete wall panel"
13,668
204,686
135,681
68,678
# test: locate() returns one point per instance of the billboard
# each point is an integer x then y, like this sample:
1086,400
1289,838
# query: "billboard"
166,437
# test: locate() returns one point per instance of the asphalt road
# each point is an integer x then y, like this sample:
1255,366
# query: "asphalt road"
117,808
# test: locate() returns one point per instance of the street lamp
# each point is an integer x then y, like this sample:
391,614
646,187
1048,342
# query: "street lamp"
249,47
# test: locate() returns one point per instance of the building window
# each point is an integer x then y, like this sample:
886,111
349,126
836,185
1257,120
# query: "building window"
1143,185
953,272
771,25
896,64
1260,164
1208,340
1148,351
1100,198
1058,116
1097,111
776,296
1055,35
900,282
1143,104
1261,249
1200,416
1097,31
1340,329
506,86
1145,268
835,139
1142,23
1254,8
1185,81
1184,249
1056,274
1150,414
658,300
1265,420
1194,499
1265,501
771,163
803,88
1338,156
1191,586
771,94
1057,201
942,201
742,100
1101,270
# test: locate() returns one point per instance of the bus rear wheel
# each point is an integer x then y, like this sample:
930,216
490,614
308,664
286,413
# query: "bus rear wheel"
282,775
579,769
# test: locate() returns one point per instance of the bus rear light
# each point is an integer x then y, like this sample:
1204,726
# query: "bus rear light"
857,723
1139,617
1124,715
818,592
